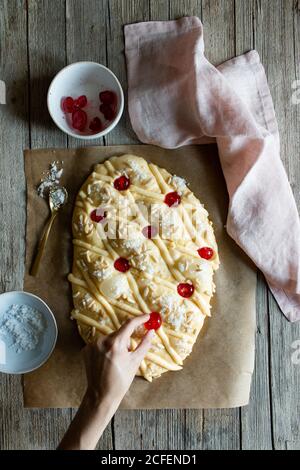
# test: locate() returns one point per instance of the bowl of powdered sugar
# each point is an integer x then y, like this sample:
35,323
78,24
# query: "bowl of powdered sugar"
28,332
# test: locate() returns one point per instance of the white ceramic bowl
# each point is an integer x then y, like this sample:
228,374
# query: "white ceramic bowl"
12,362
83,78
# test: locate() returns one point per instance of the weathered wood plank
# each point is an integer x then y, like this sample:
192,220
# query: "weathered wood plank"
193,419
106,441
194,430
132,429
86,39
151,429
256,424
118,15
219,29
244,26
278,52
159,10
47,55
256,429
158,429
180,8
221,428
11,413
14,136
17,431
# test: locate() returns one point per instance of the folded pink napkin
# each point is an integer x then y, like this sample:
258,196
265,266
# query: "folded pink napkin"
176,97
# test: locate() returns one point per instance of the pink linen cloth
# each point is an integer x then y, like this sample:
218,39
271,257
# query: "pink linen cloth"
176,98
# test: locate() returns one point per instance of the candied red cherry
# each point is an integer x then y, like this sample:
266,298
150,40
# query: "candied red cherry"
97,215
206,252
68,104
96,125
81,101
149,232
154,321
185,289
108,97
122,265
79,119
122,183
108,112
172,199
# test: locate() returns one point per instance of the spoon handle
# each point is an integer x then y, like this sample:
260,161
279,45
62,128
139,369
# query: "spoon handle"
42,245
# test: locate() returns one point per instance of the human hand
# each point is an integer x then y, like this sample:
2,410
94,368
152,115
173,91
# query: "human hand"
111,366
110,369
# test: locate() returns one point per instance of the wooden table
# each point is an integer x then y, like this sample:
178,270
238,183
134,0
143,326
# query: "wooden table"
38,38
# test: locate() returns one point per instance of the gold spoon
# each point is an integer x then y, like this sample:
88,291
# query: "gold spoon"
58,197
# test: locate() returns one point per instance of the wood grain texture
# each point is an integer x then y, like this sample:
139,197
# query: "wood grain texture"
179,8
14,136
256,423
159,10
118,15
46,56
219,29
256,426
37,38
86,39
220,426
278,53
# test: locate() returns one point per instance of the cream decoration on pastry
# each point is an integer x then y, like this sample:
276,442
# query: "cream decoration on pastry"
142,243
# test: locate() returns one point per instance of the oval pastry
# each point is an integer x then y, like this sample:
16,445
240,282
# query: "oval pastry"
138,233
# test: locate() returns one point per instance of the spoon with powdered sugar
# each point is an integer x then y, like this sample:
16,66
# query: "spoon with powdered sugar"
58,197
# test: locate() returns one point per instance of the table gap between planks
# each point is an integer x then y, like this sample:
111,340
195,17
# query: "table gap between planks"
38,38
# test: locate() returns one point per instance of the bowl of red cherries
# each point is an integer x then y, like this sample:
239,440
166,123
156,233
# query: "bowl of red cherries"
85,100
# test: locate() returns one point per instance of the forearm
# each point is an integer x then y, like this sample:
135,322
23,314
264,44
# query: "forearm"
110,369
89,423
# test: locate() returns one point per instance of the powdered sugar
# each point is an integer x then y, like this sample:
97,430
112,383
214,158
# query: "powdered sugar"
115,287
179,183
133,244
50,179
172,310
58,197
103,273
139,170
22,327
